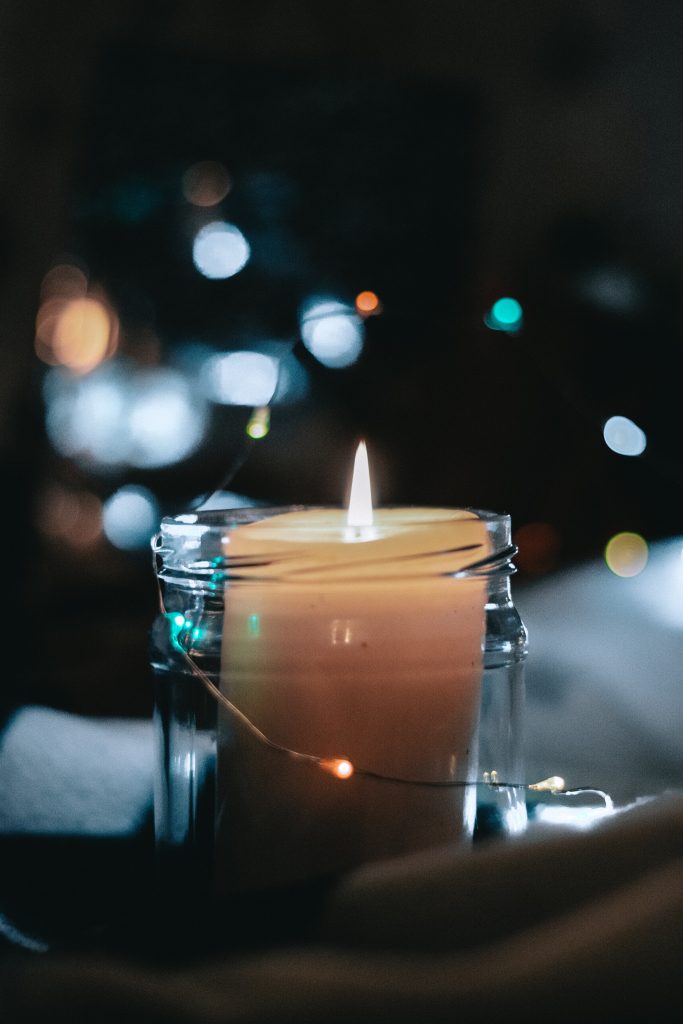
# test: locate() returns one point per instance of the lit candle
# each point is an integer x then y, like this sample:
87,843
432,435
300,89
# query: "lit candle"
347,637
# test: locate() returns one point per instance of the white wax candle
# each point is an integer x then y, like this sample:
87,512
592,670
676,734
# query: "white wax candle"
352,642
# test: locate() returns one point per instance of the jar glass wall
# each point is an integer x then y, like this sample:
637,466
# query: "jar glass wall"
266,687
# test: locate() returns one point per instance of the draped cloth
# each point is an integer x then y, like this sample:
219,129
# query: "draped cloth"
585,926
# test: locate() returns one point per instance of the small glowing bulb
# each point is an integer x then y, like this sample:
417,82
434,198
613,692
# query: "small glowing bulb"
504,315
360,502
340,767
554,784
368,304
259,424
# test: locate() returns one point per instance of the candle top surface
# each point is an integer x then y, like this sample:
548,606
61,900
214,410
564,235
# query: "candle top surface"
330,525
401,541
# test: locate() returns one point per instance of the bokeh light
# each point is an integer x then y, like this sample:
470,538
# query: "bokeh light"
130,517
206,183
259,423
613,289
240,378
293,381
626,554
73,328
368,304
70,516
332,332
220,250
47,319
504,315
85,418
134,199
623,436
146,418
64,281
84,334
539,548
165,422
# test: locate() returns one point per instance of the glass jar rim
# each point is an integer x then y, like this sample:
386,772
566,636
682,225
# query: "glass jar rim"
190,546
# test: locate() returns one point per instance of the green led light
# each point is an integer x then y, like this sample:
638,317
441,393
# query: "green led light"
176,624
259,424
255,624
507,311
505,315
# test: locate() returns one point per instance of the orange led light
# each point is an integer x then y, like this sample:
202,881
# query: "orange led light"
340,767
367,304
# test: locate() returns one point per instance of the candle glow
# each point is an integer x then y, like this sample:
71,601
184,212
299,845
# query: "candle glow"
399,695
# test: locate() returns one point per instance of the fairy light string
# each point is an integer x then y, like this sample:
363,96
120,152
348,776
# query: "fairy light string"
342,768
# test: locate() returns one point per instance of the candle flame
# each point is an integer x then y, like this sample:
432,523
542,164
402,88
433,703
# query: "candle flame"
360,502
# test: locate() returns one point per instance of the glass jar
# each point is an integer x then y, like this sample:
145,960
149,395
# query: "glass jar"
312,715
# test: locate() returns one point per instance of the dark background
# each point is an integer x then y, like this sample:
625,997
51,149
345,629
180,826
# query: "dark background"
441,155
